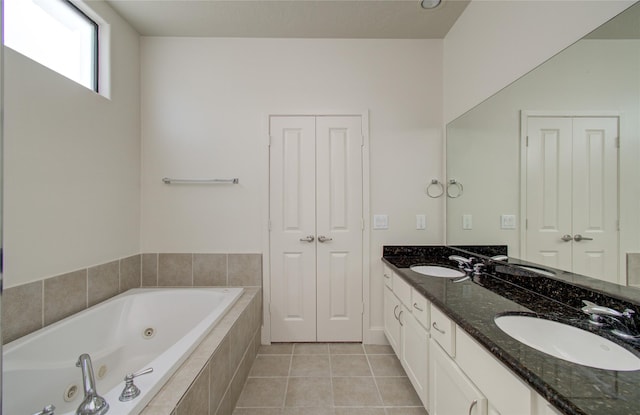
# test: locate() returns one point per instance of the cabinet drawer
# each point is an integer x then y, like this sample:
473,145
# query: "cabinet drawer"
443,330
402,290
504,390
387,274
420,308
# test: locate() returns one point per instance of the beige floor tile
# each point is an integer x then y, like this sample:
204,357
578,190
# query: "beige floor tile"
276,348
271,365
346,348
309,392
355,391
310,365
311,348
386,365
406,411
378,349
257,411
263,393
397,392
349,365
360,411
308,411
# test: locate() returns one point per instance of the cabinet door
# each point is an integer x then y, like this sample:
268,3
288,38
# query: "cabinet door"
415,355
450,391
392,308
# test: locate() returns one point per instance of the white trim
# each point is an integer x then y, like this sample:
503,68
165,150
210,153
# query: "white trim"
372,335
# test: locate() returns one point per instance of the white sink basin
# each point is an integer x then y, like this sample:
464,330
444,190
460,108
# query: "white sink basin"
568,343
436,271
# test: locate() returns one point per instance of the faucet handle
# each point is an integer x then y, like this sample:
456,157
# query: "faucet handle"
130,390
47,410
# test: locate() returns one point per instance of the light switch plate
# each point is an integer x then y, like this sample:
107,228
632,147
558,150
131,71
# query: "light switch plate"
467,221
421,222
380,222
508,221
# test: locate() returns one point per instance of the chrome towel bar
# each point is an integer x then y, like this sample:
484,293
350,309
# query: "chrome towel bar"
167,180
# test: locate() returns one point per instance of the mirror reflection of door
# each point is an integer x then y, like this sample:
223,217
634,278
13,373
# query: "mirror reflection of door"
571,193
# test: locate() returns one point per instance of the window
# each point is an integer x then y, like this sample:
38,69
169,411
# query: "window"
56,34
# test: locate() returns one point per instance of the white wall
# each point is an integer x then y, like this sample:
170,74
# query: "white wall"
494,42
71,164
205,104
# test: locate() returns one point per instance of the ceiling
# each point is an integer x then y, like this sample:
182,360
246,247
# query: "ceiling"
359,19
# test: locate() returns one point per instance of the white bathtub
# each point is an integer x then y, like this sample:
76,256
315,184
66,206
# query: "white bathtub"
141,328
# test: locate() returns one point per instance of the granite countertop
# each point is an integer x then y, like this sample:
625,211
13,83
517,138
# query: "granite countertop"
571,388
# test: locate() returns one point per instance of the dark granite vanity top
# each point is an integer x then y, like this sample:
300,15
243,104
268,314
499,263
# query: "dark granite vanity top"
571,388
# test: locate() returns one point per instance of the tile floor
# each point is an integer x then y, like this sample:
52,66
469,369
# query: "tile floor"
327,379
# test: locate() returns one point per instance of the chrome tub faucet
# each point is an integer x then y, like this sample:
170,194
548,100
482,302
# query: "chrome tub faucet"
93,404
623,322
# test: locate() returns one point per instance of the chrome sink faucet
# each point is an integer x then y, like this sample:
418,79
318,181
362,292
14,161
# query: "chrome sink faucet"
623,322
93,404
465,264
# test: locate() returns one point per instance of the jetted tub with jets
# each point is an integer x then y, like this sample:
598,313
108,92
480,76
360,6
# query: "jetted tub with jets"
141,328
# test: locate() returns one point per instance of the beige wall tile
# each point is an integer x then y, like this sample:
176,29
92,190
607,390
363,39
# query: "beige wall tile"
245,270
130,272
220,375
196,400
21,310
175,270
149,270
633,268
210,270
104,282
64,295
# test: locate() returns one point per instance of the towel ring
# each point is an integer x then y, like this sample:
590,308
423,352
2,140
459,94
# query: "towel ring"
439,189
453,183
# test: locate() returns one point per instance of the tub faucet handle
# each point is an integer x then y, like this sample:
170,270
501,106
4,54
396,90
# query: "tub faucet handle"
47,410
130,390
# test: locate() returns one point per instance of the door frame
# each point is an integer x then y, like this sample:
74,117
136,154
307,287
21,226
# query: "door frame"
367,332
524,115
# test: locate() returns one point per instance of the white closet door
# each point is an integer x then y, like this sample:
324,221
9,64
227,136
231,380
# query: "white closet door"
548,199
293,217
572,194
316,228
339,224
595,197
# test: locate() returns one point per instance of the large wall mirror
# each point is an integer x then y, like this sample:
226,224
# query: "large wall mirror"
550,165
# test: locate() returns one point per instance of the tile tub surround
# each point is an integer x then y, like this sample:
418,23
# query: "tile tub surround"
210,381
30,307
571,388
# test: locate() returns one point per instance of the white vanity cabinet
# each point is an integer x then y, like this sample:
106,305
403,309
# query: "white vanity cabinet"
450,391
392,308
451,372
505,392
406,314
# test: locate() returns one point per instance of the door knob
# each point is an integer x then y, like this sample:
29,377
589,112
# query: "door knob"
579,238
566,238
323,238
309,238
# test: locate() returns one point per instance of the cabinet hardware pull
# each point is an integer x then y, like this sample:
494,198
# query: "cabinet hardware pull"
309,238
415,305
394,312
324,239
399,315
566,237
475,401
579,238
386,276
437,329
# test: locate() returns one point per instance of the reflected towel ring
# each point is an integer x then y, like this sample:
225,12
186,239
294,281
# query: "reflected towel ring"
458,186
437,183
